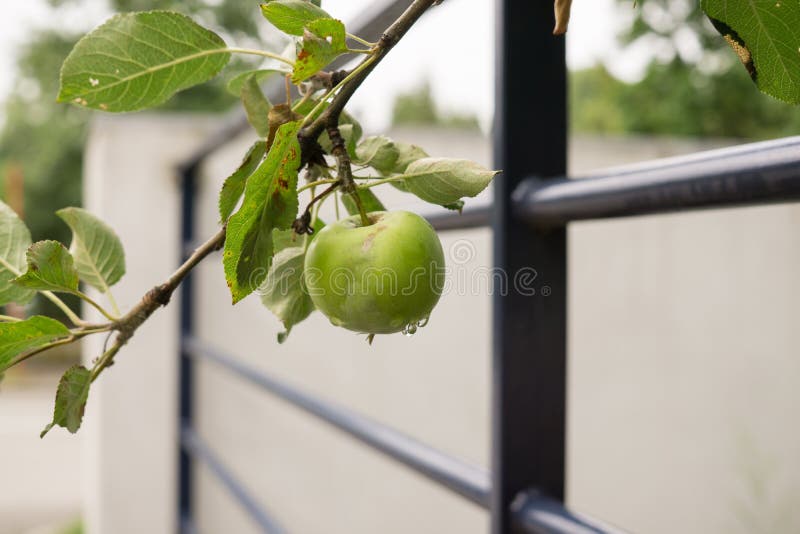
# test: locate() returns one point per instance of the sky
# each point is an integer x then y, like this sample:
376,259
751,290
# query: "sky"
460,81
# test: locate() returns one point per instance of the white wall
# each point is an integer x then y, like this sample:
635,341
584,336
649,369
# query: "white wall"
683,368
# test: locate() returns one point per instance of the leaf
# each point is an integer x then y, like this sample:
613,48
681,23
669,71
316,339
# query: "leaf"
139,60
284,291
368,200
15,238
20,337
233,187
235,84
379,152
292,16
562,9
71,397
406,155
99,257
270,201
768,33
50,268
323,40
444,181
279,115
256,106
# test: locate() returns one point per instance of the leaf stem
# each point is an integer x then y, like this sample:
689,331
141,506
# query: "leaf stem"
9,319
111,300
263,53
86,298
380,182
315,184
105,360
74,319
359,40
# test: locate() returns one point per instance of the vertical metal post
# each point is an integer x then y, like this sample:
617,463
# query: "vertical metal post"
529,360
185,372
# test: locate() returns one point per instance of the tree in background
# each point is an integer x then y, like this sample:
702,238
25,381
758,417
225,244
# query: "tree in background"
694,86
418,108
45,139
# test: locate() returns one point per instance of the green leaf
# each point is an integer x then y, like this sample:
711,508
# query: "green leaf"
284,291
256,106
235,84
71,397
323,40
23,336
445,181
233,187
766,36
50,268
379,152
406,155
270,201
15,238
99,257
292,16
139,60
368,200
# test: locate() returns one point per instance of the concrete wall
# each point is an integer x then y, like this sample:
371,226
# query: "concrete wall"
683,367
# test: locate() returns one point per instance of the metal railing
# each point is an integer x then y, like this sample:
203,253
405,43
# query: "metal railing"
524,492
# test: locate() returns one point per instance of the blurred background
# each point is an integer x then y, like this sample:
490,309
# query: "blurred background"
683,346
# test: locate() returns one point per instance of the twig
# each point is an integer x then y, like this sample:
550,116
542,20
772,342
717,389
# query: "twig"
344,171
387,41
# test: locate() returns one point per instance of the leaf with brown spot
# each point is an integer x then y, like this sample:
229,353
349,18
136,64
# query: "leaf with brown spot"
270,202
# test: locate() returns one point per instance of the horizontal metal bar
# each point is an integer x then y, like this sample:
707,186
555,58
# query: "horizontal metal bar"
369,25
537,514
757,173
194,445
470,218
464,479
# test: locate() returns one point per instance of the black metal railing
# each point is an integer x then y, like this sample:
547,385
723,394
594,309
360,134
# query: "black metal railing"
524,490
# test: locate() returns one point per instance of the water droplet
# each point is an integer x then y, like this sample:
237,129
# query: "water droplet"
424,322
410,329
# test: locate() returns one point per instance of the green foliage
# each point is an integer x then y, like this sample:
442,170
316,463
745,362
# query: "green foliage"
14,242
323,40
691,103
19,338
50,268
284,292
236,83
379,152
445,181
233,187
256,106
765,33
369,201
139,60
270,202
292,16
71,397
99,256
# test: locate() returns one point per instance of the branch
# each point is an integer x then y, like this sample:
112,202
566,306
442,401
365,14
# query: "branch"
390,37
344,171
161,294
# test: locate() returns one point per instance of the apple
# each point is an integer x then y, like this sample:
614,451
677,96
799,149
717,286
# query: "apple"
377,279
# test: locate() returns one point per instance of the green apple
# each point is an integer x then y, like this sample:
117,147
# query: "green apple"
376,279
